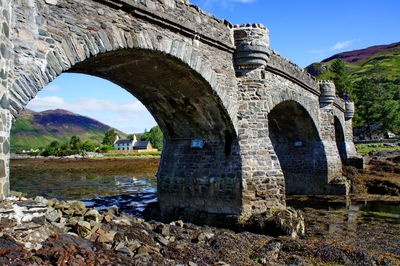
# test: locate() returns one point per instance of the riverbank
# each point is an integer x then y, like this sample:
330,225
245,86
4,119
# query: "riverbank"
116,166
40,231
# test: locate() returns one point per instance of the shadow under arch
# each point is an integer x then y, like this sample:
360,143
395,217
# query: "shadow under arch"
299,148
340,139
190,181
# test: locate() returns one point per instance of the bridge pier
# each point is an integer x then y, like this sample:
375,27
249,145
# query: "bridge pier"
6,62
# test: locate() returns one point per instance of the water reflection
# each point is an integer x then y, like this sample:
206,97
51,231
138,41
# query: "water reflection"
384,211
79,187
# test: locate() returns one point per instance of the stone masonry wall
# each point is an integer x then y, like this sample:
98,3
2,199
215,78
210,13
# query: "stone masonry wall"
239,171
264,181
5,117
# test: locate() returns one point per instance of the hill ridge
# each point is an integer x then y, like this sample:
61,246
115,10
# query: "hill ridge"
37,129
362,54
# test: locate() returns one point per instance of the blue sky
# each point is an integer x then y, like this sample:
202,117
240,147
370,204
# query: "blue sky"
303,31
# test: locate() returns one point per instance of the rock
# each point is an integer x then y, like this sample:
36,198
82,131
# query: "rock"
41,200
122,221
179,223
221,263
51,2
287,222
106,237
78,207
74,220
162,240
107,218
191,263
163,229
118,245
125,251
143,250
148,226
83,228
204,236
269,252
54,216
112,211
93,215
133,245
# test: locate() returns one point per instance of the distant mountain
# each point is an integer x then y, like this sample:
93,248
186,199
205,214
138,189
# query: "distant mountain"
37,129
361,62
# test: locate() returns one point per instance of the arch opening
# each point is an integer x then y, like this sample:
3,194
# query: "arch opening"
340,140
299,148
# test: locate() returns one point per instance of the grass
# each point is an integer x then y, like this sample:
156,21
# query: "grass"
366,148
155,154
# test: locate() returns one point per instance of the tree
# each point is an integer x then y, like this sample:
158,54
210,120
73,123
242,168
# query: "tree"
110,137
155,136
341,77
75,143
130,136
89,146
378,105
52,149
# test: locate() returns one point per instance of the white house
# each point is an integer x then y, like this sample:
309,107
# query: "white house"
125,144
132,144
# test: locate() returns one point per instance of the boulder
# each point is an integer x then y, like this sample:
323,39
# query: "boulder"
83,229
93,215
288,222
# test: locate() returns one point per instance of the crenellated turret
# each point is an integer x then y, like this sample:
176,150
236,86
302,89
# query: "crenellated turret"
349,110
252,46
328,91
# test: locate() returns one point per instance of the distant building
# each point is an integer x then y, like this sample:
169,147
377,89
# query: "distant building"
132,144
142,145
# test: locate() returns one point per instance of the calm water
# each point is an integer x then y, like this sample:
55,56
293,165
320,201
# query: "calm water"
132,193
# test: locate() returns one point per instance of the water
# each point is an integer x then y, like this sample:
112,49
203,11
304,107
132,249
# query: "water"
131,194
134,188
376,210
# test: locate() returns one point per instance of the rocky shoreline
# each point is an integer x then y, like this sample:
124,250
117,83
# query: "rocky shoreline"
39,231
51,232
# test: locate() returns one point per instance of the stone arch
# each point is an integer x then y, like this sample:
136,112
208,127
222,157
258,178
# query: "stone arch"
340,138
185,96
299,149
295,95
74,49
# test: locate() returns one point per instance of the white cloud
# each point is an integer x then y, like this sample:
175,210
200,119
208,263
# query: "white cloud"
324,53
84,104
46,103
53,88
341,45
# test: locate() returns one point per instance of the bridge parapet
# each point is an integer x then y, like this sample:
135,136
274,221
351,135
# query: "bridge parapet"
183,16
283,67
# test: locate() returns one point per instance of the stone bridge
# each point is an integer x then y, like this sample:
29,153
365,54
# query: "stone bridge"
243,126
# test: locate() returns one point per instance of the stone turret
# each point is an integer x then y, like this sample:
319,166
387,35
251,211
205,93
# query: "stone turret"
328,91
349,110
252,47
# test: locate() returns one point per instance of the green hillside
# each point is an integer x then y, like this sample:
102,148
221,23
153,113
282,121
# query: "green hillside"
372,78
38,129
363,63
